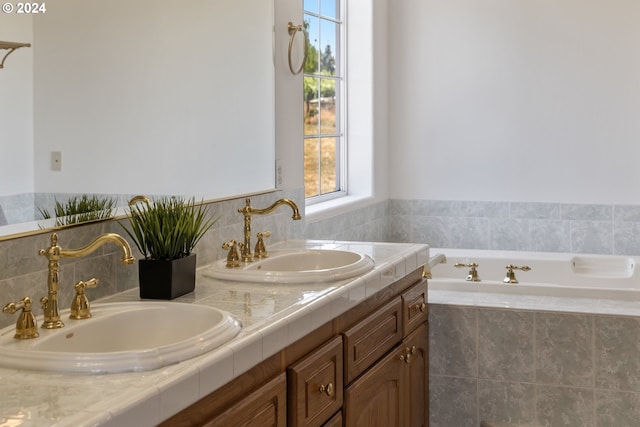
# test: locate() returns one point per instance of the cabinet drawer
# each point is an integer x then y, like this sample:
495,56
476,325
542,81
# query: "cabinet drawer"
415,307
316,386
264,407
371,338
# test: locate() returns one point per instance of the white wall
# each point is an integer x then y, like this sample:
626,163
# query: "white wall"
515,100
16,107
183,106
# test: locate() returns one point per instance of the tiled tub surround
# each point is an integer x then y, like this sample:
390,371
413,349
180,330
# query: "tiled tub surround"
532,367
24,273
521,226
273,315
531,358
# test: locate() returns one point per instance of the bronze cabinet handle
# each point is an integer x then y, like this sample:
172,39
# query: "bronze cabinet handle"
328,389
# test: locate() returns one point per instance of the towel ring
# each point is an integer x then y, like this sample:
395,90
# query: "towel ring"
293,30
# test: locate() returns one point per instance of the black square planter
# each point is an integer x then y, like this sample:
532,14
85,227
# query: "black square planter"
161,279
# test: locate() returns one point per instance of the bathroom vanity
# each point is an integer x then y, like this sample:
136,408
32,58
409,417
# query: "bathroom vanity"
313,354
367,366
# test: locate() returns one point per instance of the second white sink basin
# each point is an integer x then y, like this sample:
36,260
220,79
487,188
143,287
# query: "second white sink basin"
122,337
296,266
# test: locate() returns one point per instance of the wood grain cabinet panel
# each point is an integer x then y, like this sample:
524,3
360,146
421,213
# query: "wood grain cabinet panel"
375,399
415,307
371,338
417,377
316,386
335,421
393,392
265,407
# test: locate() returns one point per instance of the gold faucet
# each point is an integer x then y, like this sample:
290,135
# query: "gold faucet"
433,261
139,198
54,252
248,211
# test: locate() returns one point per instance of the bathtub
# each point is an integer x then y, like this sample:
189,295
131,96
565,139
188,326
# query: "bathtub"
552,275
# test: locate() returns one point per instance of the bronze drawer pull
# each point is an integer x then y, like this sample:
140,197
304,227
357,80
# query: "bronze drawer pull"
406,358
421,307
328,390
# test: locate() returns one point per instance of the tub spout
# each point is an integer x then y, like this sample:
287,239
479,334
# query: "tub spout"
433,261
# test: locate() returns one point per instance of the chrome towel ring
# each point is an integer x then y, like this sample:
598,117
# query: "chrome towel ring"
293,30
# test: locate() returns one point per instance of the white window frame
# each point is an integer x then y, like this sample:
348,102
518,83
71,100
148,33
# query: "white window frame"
342,185
360,130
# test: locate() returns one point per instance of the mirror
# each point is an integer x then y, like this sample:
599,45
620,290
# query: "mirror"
148,97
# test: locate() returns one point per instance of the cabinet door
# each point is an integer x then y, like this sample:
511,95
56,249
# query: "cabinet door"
265,407
375,399
416,353
316,386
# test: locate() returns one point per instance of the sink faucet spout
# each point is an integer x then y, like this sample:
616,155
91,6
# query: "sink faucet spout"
53,254
248,211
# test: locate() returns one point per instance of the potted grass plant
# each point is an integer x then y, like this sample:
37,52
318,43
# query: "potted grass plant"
166,231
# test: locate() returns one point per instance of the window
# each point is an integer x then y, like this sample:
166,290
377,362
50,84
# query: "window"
324,141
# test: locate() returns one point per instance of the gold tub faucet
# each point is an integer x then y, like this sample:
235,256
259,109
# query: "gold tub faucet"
248,211
433,261
53,254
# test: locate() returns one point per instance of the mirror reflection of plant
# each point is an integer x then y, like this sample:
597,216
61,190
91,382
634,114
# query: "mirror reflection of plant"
168,228
83,208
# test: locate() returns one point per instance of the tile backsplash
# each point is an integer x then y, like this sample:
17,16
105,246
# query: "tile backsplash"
24,273
520,226
601,229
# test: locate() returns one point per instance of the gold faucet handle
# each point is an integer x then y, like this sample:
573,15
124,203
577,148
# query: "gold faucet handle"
261,249
26,326
80,308
233,258
473,272
515,267
511,276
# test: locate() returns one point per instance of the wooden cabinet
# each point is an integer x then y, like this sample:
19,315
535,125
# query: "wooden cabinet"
371,338
375,399
335,421
392,392
414,307
365,368
315,386
265,407
416,378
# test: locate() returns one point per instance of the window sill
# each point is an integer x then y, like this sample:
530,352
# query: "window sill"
333,207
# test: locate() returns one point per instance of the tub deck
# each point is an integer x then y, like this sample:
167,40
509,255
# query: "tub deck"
556,282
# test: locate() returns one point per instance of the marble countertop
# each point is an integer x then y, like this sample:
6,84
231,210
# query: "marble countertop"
273,316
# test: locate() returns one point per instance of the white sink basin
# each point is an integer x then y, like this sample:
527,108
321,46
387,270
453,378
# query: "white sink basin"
122,337
296,266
